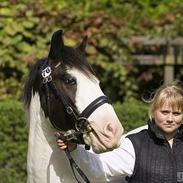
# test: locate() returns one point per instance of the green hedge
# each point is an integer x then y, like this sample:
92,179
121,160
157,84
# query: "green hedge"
14,132
13,138
26,28
132,114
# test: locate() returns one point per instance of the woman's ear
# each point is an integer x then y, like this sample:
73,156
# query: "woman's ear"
151,114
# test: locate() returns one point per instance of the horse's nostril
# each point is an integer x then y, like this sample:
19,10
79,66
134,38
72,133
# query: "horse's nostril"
110,128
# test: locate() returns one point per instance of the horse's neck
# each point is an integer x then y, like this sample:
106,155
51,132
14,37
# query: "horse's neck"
40,127
45,161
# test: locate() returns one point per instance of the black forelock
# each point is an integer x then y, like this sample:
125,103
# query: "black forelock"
73,57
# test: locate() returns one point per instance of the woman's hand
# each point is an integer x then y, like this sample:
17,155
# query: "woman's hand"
63,145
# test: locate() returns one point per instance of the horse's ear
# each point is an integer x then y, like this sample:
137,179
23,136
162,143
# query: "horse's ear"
83,44
57,45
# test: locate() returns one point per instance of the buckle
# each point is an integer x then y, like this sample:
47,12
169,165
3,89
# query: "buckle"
82,125
46,74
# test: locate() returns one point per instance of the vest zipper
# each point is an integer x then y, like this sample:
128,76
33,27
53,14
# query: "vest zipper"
173,160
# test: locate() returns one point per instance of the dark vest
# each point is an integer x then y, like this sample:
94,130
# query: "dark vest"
156,161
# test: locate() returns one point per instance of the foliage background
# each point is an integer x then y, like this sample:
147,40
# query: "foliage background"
25,31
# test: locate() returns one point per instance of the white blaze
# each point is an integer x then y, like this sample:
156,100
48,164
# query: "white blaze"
104,120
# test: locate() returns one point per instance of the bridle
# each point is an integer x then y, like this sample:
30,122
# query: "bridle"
80,120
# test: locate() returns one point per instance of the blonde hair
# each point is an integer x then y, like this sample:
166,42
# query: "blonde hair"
171,94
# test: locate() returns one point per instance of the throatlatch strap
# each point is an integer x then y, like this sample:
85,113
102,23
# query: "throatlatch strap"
74,165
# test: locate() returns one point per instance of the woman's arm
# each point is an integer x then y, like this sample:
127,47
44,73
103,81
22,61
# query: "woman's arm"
108,166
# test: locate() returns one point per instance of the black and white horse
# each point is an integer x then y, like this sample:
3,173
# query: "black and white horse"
63,94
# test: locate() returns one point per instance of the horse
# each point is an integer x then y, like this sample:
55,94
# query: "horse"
62,94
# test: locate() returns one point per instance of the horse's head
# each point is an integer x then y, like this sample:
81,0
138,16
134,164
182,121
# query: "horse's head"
71,97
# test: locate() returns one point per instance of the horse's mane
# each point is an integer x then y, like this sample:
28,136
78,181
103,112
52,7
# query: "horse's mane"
71,57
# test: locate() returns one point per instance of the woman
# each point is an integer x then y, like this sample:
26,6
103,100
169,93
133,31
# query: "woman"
154,155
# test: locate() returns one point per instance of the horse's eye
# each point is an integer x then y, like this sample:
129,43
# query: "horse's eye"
70,81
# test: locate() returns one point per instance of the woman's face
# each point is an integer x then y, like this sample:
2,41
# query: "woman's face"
168,119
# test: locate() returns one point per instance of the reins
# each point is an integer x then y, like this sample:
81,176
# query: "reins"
74,165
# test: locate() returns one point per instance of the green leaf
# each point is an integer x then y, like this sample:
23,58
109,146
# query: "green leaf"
5,12
25,47
28,24
15,40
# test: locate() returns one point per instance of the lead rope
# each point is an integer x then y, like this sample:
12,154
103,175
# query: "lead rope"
74,165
